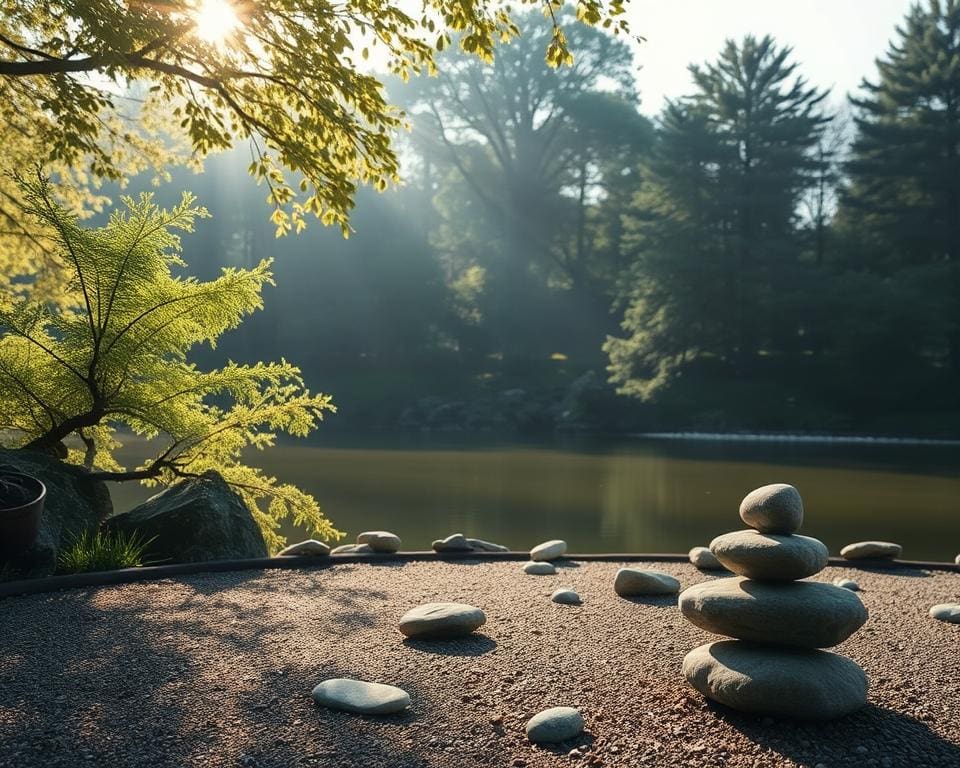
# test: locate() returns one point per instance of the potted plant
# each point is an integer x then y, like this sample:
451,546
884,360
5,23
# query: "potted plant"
21,504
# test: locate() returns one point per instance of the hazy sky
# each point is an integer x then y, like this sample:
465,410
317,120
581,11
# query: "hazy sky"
836,41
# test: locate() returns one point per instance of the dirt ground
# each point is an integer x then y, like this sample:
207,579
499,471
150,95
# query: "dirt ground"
216,670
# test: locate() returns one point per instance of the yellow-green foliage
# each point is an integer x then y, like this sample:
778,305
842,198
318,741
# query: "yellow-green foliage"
116,356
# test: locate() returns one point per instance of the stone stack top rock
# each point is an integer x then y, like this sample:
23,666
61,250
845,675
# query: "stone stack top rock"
775,508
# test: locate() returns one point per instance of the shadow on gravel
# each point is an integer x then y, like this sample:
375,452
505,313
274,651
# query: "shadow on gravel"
659,601
887,570
475,645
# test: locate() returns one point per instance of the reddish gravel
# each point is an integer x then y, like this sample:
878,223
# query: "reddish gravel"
216,670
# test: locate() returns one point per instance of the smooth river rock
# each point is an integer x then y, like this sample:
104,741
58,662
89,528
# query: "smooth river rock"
775,508
847,584
555,724
549,550
797,613
380,541
769,555
946,612
776,681
704,559
352,549
455,542
486,546
566,596
359,696
871,550
539,568
308,548
630,582
957,560
441,621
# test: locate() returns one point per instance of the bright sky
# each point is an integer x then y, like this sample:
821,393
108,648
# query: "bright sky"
835,41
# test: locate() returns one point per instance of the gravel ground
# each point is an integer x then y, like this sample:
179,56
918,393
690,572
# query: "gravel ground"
216,670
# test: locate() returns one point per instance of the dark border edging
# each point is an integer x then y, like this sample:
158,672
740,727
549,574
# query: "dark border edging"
155,572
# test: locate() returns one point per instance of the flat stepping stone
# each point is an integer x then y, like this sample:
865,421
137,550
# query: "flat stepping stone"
797,613
555,724
871,550
486,546
361,697
549,550
308,548
380,541
770,556
949,612
847,584
539,568
456,542
704,559
441,621
775,508
784,682
352,549
633,582
566,596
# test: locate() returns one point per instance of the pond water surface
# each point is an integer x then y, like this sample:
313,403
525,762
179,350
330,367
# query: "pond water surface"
624,495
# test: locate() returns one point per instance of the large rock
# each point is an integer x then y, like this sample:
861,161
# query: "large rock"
770,556
74,504
634,582
871,550
555,724
784,682
360,696
194,521
437,621
800,613
775,508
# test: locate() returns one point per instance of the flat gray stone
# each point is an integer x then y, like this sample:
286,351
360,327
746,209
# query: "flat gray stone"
785,682
486,546
566,596
868,550
555,724
775,508
770,556
352,549
441,621
549,550
308,548
799,613
946,612
456,542
539,569
633,582
380,541
361,697
847,584
704,559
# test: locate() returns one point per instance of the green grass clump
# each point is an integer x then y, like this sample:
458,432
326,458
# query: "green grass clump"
102,551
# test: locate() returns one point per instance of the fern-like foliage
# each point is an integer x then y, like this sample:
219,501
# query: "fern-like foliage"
115,356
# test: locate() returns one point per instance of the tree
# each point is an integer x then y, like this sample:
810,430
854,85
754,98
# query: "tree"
93,90
715,229
116,355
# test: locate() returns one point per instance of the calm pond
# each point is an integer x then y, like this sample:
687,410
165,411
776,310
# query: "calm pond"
639,495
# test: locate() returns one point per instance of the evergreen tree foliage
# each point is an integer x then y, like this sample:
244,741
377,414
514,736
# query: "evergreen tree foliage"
115,355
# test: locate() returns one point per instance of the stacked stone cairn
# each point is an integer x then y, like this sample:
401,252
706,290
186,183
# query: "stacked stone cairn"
775,666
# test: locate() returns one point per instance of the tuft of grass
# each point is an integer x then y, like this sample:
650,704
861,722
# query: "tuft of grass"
102,551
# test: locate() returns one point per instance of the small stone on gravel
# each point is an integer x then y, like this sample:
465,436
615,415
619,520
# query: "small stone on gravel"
869,550
704,559
775,508
352,549
455,542
566,596
360,696
949,612
549,550
630,582
310,547
441,621
555,724
380,541
539,569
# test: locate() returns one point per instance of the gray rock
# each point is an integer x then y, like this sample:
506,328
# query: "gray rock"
308,548
847,584
194,521
946,612
800,613
870,550
380,541
486,546
957,560
775,508
770,556
360,696
704,559
549,550
555,724
456,542
441,621
565,596
784,682
539,569
630,582
352,549
74,504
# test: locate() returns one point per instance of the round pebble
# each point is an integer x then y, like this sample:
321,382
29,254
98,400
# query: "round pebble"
549,550
539,568
868,550
566,596
775,508
441,621
555,724
770,556
380,541
631,582
360,696
704,559
949,612
847,584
